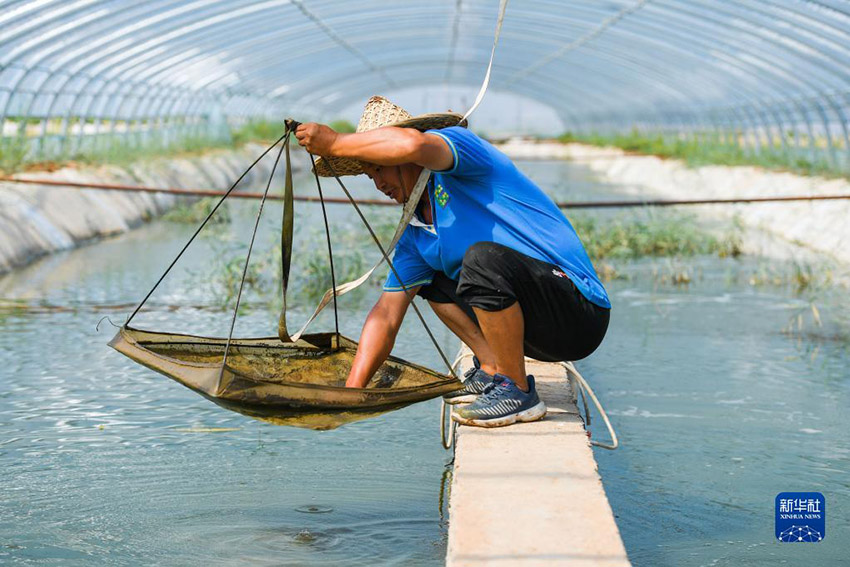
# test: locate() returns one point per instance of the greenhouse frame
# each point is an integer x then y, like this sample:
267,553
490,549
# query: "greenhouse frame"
765,76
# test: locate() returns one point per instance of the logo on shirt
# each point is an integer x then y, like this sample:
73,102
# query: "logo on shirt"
441,196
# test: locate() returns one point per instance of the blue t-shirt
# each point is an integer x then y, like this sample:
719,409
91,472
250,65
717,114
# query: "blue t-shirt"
485,198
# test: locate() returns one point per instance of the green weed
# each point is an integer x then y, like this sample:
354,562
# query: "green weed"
122,148
343,126
659,235
197,211
706,151
310,272
258,131
13,152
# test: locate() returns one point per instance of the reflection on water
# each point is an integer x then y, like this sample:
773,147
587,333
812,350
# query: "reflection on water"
108,463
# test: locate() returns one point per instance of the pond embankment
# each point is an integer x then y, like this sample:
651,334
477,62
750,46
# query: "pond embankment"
37,220
820,226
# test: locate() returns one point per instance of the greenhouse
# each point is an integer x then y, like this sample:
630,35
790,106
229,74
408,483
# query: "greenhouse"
615,232
769,77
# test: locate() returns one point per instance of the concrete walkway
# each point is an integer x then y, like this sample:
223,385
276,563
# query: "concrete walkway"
530,494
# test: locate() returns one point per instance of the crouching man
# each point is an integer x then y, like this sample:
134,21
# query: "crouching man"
492,254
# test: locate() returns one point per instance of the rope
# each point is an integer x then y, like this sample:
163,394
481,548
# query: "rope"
383,203
389,262
330,250
283,147
447,440
287,228
575,377
203,224
502,7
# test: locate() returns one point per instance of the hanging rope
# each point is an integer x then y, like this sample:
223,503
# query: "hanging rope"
284,147
386,257
576,378
328,236
203,224
503,5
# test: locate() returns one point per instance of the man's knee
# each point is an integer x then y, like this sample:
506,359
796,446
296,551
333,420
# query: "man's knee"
485,277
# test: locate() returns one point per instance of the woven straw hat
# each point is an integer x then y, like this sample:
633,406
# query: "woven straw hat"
380,112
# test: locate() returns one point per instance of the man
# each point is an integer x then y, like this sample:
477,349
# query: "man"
494,256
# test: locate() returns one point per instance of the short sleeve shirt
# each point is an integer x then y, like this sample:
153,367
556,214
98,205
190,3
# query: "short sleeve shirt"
485,198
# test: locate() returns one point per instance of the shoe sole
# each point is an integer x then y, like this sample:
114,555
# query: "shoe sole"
531,414
464,399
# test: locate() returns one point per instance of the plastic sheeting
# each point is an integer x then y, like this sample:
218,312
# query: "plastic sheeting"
767,67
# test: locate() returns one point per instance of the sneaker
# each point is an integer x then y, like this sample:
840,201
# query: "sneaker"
475,381
502,404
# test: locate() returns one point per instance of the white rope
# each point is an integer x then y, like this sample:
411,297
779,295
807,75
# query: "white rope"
448,440
502,7
573,373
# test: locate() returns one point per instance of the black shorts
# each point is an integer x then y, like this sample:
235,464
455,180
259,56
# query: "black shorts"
560,323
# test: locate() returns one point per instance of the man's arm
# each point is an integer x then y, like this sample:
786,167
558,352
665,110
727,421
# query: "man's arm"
383,146
378,335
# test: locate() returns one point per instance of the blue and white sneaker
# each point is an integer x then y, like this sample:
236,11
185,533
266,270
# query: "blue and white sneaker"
503,404
475,381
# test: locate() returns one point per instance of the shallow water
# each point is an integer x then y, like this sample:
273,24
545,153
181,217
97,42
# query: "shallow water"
109,463
719,411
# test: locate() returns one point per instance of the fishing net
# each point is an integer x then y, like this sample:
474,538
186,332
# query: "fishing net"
292,379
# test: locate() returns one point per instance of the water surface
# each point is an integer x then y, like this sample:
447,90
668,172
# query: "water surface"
108,463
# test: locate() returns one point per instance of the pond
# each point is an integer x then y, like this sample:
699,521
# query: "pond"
719,408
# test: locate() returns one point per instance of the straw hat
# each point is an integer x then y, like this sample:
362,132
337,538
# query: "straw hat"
380,112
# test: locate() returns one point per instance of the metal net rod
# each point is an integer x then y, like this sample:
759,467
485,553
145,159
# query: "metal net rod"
328,235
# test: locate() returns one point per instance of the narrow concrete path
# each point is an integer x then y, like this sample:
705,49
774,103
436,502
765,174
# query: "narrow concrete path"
530,494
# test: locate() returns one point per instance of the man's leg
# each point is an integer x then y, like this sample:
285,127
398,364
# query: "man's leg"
523,305
503,333
527,306
465,328
487,281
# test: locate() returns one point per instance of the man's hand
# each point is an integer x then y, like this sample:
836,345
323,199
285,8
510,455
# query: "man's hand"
316,138
378,335
382,146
